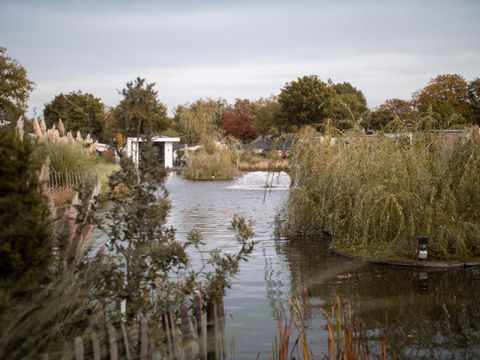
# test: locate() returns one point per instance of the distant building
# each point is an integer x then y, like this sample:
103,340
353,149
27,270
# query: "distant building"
163,145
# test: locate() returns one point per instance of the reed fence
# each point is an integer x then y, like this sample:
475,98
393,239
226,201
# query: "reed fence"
186,334
69,179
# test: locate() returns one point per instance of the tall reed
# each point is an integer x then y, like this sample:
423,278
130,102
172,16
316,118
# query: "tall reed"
377,194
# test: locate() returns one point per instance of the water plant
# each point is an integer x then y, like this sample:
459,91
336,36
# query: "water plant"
347,338
211,163
377,194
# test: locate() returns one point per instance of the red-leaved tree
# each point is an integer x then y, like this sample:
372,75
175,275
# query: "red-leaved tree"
238,121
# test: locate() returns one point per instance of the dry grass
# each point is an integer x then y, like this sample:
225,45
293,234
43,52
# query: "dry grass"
250,161
377,194
62,197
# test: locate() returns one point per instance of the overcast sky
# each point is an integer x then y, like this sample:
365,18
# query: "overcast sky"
238,49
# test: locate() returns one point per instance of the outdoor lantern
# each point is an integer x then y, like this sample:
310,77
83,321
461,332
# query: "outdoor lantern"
422,247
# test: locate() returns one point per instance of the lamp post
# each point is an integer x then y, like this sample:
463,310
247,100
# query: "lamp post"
422,247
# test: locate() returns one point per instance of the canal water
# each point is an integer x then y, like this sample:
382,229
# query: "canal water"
422,314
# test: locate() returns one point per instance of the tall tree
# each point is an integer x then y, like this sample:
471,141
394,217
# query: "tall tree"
474,100
15,88
305,101
200,119
448,96
238,120
267,117
78,111
309,100
391,109
347,105
140,112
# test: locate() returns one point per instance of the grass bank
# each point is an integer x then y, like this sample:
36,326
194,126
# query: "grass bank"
377,194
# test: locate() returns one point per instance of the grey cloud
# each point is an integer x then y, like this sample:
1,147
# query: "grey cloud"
233,49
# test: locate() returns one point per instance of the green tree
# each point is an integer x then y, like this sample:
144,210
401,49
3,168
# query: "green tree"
474,100
140,112
199,120
448,96
391,109
26,239
15,88
305,101
347,105
78,111
267,116
309,100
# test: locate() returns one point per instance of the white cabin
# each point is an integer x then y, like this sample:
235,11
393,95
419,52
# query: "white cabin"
164,146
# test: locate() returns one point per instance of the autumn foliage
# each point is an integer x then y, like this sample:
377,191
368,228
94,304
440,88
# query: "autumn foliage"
238,121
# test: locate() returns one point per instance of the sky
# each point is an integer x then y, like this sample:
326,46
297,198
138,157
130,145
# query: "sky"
238,49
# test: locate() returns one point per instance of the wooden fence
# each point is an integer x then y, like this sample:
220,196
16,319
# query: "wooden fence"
70,179
196,334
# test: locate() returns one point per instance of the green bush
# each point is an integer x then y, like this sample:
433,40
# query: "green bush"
25,238
377,194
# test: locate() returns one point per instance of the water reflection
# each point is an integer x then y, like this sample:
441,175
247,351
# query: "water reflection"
424,314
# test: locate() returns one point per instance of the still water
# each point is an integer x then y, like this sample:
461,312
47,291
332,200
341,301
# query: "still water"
423,314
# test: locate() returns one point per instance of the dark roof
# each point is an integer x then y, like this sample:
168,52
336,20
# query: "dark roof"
288,143
260,143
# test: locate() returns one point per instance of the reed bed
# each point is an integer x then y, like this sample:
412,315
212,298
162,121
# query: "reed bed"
377,194
220,164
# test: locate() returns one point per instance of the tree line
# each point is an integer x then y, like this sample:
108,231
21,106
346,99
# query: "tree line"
449,100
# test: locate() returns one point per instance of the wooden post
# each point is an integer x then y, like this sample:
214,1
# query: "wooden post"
201,326
221,327
95,346
211,331
66,353
112,342
186,332
167,328
79,348
126,345
143,339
